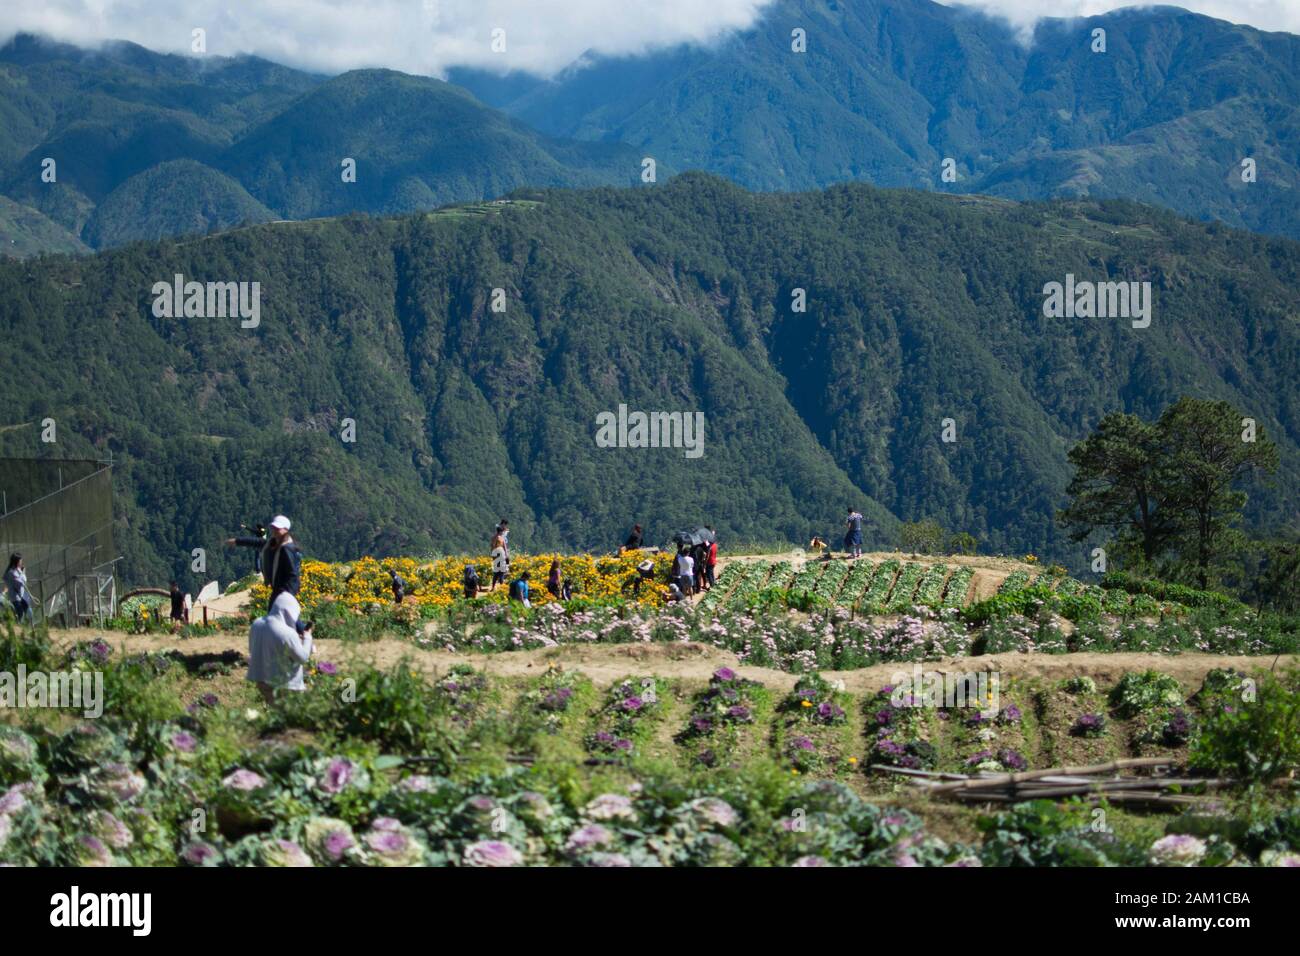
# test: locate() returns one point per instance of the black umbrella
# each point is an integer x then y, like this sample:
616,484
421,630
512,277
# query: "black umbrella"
688,538
705,535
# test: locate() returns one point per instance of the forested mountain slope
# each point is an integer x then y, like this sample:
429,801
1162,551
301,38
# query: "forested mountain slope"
677,297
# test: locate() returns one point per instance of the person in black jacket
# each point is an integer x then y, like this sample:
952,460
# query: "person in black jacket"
281,557
634,539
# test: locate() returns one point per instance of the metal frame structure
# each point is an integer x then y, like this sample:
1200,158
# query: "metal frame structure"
65,534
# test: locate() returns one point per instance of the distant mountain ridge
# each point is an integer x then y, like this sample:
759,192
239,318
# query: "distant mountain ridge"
888,89
148,145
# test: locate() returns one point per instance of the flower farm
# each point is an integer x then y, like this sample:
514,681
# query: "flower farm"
786,718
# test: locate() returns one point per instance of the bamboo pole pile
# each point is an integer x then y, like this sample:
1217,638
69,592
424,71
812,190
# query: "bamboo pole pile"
1093,782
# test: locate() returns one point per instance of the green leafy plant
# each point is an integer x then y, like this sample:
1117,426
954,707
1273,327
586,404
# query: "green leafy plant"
1253,740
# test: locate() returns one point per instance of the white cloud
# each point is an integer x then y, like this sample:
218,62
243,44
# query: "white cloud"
429,36
415,36
1262,14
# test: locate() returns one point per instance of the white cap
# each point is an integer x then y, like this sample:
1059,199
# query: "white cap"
280,522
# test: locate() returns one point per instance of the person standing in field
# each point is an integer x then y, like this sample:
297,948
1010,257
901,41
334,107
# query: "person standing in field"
553,580
20,599
279,644
500,562
281,558
178,606
699,555
634,539
853,536
684,571
711,560
398,586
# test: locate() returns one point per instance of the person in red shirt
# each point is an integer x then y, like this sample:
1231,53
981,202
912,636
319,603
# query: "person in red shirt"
711,558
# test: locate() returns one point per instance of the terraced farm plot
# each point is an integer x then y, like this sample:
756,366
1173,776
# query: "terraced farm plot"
958,587
930,591
882,583
1015,581
901,598
856,583
806,578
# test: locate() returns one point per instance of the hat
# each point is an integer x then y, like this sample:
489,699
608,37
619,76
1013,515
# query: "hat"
280,522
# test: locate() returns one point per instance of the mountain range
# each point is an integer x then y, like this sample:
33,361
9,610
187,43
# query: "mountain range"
833,340
150,145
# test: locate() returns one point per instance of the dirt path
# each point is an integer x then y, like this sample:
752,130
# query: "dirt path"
608,663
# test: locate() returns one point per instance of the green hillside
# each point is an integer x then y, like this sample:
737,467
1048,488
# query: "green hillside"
174,198
920,308
148,145
417,142
26,232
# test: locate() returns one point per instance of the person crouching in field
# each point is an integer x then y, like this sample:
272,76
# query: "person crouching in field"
519,590
398,586
472,585
279,644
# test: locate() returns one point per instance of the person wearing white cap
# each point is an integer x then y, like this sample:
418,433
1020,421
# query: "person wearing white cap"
281,557
279,644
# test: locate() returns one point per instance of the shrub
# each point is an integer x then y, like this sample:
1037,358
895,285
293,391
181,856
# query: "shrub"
1253,740
1138,693
394,708
1042,833
19,645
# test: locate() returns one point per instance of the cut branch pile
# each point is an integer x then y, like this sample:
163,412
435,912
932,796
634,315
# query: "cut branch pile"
1094,782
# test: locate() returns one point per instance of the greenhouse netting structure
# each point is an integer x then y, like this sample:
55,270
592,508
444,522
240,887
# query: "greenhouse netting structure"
58,514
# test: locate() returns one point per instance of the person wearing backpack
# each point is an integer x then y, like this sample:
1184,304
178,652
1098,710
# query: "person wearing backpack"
519,590
472,584
699,556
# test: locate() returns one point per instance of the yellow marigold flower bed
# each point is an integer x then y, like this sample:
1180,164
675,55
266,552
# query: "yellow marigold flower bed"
439,583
